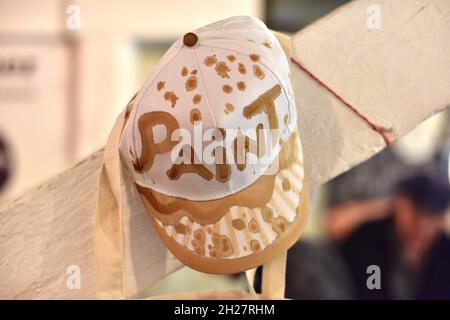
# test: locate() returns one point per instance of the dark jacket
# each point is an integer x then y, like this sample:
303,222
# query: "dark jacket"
376,244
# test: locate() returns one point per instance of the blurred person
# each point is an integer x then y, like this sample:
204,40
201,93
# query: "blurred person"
314,271
404,236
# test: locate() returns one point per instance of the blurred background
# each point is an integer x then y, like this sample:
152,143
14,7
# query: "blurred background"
68,67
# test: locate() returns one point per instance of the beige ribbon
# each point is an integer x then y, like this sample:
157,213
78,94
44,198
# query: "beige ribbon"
108,221
274,278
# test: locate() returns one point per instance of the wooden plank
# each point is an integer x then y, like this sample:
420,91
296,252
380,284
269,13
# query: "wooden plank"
51,227
396,76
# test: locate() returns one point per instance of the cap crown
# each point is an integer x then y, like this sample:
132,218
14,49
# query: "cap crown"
234,77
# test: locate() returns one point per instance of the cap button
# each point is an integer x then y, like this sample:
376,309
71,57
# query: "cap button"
190,39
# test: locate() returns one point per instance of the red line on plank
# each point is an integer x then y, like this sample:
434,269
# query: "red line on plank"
372,125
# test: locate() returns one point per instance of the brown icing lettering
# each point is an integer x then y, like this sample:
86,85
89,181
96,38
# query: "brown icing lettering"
265,103
149,148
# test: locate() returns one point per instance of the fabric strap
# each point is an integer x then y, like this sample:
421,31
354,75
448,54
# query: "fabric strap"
108,221
274,278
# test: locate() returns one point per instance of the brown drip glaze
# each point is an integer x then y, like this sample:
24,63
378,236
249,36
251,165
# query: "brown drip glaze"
149,148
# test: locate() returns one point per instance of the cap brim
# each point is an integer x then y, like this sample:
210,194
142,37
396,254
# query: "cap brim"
259,223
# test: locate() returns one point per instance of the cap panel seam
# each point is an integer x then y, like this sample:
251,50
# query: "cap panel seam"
208,102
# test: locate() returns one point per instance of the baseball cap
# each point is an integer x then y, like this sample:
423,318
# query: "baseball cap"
212,144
